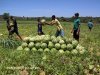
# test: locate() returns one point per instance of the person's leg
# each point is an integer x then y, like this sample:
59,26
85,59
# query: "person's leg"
62,33
90,28
75,35
57,33
11,32
42,33
16,31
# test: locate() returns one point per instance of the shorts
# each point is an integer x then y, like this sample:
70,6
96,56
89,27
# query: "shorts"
90,27
75,35
13,31
60,33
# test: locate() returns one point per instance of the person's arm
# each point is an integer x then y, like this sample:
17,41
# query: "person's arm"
49,23
72,30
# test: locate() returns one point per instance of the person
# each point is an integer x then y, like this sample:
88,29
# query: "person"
90,25
76,27
40,32
60,31
12,27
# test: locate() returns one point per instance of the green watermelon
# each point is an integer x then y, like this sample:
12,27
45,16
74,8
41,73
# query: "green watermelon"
50,45
43,45
57,46
69,46
24,44
31,44
20,48
64,46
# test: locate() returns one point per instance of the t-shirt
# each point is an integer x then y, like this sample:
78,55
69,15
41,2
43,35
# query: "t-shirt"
90,24
76,24
57,23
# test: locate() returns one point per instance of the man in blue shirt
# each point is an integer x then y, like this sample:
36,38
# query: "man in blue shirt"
90,25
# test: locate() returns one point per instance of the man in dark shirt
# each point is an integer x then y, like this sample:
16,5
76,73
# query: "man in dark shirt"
12,27
40,32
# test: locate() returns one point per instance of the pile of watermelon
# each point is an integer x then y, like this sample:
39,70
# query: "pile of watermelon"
47,43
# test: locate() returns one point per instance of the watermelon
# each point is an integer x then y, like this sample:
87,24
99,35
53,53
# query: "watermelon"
53,37
46,50
74,51
74,43
61,41
34,49
24,44
61,51
69,46
57,46
32,39
31,44
40,50
20,48
55,41
38,45
43,45
63,46
53,50
59,38
50,45
26,39
26,49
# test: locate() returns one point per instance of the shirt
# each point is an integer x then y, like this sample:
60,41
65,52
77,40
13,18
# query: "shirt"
76,24
57,23
90,24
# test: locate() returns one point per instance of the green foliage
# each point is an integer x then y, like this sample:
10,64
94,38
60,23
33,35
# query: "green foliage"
54,63
10,43
5,16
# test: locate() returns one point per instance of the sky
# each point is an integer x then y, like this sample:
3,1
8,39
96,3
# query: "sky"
38,8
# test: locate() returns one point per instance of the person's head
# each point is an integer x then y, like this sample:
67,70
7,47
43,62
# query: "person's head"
91,20
76,15
53,17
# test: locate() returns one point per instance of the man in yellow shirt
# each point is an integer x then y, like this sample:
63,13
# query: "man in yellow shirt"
60,31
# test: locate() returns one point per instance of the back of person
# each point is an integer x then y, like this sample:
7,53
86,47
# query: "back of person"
57,23
90,24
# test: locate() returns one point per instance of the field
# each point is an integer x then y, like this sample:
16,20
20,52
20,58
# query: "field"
64,64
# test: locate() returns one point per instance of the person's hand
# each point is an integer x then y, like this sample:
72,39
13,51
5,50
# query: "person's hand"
77,33
72,31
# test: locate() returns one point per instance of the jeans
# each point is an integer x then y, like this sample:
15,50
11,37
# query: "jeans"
60,33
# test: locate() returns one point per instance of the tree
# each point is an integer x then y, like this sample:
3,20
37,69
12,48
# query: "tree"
5,16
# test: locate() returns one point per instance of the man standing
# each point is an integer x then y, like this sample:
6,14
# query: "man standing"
40,32
12,27
76,27
60,31
90,25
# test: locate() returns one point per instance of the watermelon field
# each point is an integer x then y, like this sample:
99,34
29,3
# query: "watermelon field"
49,54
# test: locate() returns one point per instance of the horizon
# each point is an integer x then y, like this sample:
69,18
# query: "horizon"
47,8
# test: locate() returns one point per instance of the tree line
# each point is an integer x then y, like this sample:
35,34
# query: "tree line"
64,19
